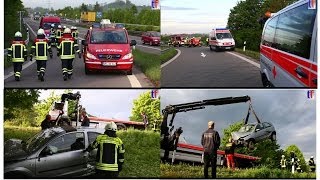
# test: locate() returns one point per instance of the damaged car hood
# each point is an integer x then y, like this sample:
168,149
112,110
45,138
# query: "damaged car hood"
238,135
14,151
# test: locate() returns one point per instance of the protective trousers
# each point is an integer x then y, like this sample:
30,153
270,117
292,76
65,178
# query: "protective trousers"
41,66
210,159
67,66
17,68
230,161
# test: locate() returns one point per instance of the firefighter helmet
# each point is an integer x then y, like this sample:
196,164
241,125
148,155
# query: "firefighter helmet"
59,26
18,34
40,32
64,27
311,157
66,31
111,126
52,25
282,156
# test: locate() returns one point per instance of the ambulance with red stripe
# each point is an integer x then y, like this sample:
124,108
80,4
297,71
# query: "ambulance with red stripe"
288,49
221,39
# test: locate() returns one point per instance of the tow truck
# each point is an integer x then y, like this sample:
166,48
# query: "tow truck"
60,110
176,150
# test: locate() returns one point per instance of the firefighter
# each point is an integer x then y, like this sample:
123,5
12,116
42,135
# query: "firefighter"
45,124
74,32
52,35
230,147
283,162
40,48
207,41
312,164
66,50
59,33
210,141
299,170
18,54
63,28
110,154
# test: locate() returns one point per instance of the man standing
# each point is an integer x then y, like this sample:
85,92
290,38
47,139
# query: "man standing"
145,120
312,164
210,141
110,154
85,119
230,147
283,162
46,123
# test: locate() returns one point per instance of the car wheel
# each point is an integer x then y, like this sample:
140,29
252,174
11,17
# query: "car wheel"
251,144
273,136
129,72
121,126
265,81
211,48
150,43
143,42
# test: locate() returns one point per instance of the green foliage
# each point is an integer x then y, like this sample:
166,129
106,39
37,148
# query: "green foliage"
253,54
16,132
18,99
167,55
299,155
151,107
189,171
22,118
227,132
42,108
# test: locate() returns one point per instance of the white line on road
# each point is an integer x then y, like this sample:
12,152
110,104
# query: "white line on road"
171,60
28,63
245,59
134,81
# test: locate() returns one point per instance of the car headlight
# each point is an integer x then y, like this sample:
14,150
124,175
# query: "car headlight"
91,56
127,56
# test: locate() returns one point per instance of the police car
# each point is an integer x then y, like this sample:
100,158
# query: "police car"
221,38
288,49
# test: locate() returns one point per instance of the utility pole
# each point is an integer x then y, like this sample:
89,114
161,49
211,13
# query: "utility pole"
20,18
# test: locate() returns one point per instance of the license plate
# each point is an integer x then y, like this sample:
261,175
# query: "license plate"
109,64
228,47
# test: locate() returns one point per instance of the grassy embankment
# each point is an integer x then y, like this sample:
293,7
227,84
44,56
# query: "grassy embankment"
253,54
141,156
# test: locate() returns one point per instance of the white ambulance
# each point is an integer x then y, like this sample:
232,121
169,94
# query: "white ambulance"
221,39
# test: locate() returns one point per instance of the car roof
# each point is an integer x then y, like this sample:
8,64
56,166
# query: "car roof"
107,29
51,18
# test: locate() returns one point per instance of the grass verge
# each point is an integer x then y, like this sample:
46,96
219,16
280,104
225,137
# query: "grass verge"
253,54
189,171
168,54
142,150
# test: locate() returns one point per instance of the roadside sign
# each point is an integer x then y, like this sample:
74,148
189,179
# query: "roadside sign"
99,14
312,4
155,4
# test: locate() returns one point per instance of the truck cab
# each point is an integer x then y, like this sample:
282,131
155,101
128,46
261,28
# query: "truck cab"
221,39
108,49
45,24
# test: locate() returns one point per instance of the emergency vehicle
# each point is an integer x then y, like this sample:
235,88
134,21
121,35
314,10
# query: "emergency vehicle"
288,49
45,24
221,39
108,49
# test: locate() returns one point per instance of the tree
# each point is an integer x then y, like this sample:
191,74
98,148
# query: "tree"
97,7
22,99
297,151
151,107
227,132
134,9
84,7
42,108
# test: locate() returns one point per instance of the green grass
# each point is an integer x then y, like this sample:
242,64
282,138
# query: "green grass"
149,64
142,150
253,54
188,171
167,55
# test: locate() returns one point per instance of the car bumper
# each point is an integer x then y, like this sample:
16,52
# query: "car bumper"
120,65
226,47
155,42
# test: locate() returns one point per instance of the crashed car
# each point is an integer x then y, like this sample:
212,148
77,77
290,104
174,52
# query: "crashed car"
249,134
55,152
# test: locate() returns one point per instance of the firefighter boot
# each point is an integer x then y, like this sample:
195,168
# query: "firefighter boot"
69,76
41,76
65,76
17,78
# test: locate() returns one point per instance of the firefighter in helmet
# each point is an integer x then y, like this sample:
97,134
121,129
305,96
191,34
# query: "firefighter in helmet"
283,162
312,164
74,33
18,54
66,50
41,48
59,33
52,35
110,154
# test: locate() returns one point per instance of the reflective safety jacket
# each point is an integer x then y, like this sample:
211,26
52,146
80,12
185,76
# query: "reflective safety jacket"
17,51
59,33
67,47
283,163
312,164
110,154
75,34
40,48
52,33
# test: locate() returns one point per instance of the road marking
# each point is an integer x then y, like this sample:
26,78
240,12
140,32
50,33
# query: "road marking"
148,47
171,60
203,55
28,63
245,59
134,81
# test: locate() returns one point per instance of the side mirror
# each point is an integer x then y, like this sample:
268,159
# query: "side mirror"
133,43
84,42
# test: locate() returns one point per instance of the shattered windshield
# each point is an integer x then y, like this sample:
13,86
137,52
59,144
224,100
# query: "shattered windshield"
247,128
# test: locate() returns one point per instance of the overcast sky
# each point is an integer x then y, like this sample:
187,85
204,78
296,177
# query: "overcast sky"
190,16
290,111
58,4
104,103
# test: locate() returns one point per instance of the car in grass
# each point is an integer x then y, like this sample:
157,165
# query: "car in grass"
108,49
52,153
151,38
249,134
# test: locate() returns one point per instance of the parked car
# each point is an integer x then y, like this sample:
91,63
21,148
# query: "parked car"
151,38
252,133
55,152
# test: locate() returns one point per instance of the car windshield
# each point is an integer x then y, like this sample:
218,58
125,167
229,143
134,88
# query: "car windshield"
247,128
108,37
48,25
41,139
155,34
224,36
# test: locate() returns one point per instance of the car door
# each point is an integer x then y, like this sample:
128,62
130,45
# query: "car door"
63,157
92,136
259,132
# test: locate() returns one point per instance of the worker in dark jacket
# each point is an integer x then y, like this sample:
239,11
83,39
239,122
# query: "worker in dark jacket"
230,147
110,154
45,124
85,120
210,141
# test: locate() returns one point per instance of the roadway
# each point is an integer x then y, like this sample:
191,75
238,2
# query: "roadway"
54,79
200,67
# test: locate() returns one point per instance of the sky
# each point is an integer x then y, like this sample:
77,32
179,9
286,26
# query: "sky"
104,103
190,16
58,4
290,111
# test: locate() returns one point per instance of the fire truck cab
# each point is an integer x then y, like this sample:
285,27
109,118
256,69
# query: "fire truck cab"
288,49
221,39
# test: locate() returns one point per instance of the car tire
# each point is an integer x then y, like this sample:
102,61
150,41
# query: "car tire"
129,72
211,49
143,42
150,43
250,144
121,126
265,81
273,137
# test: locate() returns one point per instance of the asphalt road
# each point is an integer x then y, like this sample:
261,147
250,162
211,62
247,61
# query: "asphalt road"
54,79
216,69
